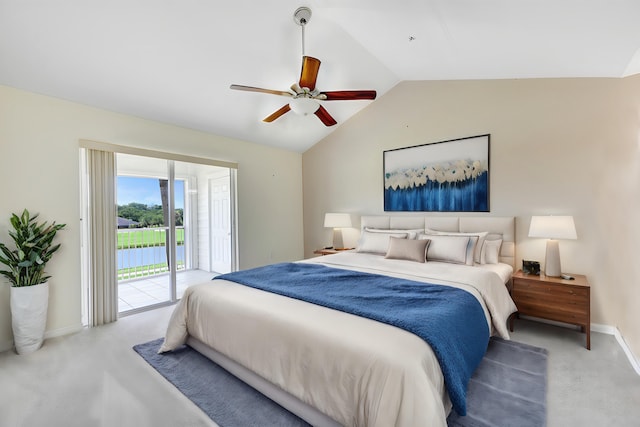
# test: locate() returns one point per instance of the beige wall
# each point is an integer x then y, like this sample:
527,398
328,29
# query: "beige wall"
39,170
558,146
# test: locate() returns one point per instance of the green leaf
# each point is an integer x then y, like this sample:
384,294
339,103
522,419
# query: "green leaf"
34,249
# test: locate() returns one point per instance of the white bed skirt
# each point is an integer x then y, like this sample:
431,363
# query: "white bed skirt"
281,397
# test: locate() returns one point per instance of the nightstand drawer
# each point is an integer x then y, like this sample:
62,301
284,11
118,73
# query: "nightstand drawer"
553,298
550,289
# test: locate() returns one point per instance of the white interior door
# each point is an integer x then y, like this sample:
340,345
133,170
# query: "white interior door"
220,228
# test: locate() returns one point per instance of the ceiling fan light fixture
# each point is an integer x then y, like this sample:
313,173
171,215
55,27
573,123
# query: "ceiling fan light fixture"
304,106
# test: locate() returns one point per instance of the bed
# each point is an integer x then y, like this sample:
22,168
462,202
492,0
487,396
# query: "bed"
334,368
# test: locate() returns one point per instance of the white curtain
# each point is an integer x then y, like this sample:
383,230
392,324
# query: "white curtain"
102,228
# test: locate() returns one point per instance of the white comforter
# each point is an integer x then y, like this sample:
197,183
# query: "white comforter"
357,371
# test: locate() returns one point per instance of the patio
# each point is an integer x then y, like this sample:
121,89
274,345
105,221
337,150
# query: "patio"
138,293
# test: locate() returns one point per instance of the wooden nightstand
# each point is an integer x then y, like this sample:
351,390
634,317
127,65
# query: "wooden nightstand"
330,251
553,298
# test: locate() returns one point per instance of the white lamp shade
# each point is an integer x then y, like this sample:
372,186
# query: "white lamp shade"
337,220
304,106
553,227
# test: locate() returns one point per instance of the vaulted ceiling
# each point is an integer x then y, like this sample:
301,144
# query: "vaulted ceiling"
173,61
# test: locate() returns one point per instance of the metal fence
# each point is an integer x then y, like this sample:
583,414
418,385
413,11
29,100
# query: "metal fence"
142,252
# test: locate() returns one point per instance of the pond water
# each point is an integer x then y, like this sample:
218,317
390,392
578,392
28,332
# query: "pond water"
136,257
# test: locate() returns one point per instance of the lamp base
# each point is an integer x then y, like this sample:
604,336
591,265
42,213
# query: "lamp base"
552,259
337,238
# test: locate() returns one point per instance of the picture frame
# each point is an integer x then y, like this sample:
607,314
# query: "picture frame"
531,267
445,176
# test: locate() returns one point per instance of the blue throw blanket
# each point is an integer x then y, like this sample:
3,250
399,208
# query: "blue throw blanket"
450,320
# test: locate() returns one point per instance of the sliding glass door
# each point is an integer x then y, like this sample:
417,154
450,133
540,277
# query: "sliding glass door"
167,221
153,223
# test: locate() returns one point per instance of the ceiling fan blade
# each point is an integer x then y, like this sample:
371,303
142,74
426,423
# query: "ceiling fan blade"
309,73
277,114
347,95
258,89
325,117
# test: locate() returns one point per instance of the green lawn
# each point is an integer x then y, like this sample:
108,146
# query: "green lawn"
133,238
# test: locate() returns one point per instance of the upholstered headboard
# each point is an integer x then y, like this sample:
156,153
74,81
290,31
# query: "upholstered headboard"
498,227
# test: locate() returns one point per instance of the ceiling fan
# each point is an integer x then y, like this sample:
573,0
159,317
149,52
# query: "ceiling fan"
305,96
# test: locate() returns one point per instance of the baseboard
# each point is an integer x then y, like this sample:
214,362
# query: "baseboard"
63,331
8,345
603,329
552,322
612,330
635,362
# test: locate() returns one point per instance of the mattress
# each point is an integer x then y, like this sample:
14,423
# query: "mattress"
356,371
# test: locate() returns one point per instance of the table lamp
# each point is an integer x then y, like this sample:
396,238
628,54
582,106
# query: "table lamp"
337,221
552,227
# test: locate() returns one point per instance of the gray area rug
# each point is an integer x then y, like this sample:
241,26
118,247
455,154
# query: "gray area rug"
507,389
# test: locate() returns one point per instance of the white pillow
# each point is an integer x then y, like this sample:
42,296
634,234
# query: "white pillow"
377,243
471,239
482,235
447,248
490,252
407,249
411,234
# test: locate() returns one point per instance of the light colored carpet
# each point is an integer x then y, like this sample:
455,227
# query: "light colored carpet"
596,387
94,378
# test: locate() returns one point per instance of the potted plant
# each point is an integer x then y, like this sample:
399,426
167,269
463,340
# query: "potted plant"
29,287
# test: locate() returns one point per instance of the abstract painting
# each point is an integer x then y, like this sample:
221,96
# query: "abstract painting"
446,176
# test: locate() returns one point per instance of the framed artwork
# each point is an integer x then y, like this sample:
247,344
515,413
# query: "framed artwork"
446,176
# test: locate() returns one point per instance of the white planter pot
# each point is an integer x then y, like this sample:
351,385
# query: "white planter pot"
29,316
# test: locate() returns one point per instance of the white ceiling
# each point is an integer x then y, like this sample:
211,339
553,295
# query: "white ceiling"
173,61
